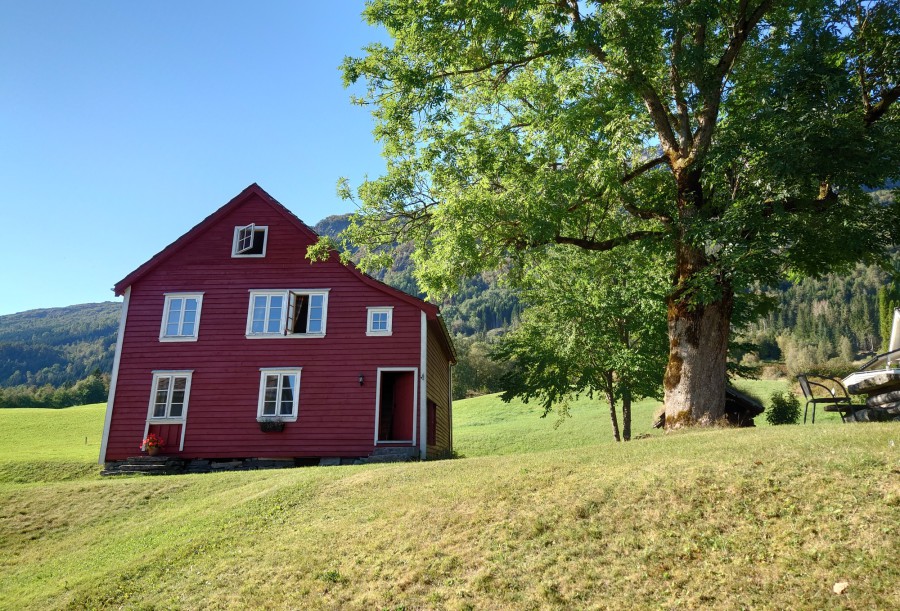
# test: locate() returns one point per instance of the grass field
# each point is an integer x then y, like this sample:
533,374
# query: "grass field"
533,517
41,445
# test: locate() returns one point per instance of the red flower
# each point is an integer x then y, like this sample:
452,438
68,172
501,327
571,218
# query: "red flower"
152,441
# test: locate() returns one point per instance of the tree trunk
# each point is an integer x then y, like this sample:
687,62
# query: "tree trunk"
694,382
626,413
695,378
611,398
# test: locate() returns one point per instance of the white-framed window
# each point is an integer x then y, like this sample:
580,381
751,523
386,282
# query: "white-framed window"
169,395
380,320
181,317
288,313
250,241
279,393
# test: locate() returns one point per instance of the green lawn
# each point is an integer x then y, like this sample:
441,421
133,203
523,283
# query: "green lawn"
485,426
50,444
765,518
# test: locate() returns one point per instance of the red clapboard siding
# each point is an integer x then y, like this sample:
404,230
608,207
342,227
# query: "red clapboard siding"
336,416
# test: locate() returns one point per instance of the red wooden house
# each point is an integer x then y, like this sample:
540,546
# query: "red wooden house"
233,345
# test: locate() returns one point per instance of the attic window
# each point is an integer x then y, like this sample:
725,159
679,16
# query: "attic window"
249,241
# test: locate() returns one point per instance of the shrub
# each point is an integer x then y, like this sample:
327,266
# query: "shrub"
784,409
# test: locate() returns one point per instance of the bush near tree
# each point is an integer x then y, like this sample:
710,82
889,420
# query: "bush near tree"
784,409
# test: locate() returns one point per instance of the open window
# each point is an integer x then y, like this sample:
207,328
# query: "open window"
292,313
306,313
250,241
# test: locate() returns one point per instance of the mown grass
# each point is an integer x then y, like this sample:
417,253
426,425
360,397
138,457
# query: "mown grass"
40,445
764,518
485,426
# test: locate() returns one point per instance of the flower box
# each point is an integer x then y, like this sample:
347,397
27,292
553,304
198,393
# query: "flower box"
271,426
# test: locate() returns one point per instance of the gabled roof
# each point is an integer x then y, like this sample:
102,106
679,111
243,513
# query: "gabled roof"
236,202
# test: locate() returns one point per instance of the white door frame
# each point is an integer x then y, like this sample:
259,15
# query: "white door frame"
415,405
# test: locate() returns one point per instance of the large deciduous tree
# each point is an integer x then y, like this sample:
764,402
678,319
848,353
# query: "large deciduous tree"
738,134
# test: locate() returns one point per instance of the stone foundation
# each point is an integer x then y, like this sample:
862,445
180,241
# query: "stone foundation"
169,465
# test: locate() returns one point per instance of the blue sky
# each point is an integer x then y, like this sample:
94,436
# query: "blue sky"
123,124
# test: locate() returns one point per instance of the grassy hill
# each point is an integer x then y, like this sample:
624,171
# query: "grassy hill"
534,517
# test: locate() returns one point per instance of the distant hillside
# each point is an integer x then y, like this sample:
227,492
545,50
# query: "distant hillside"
57,345
483,304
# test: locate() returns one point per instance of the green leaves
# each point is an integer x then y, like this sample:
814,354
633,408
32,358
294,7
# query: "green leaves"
596,322
742,132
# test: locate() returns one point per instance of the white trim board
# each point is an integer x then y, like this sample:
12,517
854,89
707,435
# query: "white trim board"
423,397
115,377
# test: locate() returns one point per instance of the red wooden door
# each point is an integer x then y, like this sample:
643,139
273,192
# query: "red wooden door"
404,394
396,406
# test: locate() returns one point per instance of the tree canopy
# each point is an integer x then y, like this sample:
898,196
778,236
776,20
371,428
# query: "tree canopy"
736,134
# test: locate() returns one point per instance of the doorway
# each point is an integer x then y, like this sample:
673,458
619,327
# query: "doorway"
395,414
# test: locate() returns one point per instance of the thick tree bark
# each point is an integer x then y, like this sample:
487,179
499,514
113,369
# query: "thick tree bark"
626,413
694,382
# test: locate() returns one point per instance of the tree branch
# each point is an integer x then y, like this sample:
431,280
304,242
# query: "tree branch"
644,167
888,97
647,215
607,244
791,205
510,65
659,114
684,126
713,95
571,7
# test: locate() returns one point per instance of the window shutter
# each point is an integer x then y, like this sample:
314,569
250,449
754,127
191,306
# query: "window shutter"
245,238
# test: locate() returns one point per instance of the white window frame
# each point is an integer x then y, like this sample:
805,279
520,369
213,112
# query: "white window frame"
236,251
370,320
180,337
264,372
167,419
288,296
182,420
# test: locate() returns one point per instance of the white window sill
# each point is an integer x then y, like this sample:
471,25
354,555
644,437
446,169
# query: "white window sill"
178,420
379,333
276,418
283,336
178,338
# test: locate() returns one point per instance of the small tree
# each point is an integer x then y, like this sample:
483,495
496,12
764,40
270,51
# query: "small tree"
596,323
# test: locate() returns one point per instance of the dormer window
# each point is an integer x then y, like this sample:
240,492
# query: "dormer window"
249,241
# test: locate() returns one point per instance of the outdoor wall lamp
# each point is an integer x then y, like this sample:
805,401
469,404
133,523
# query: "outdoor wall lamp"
362,379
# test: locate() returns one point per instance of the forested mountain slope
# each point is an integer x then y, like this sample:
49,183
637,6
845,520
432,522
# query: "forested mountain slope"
57,345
